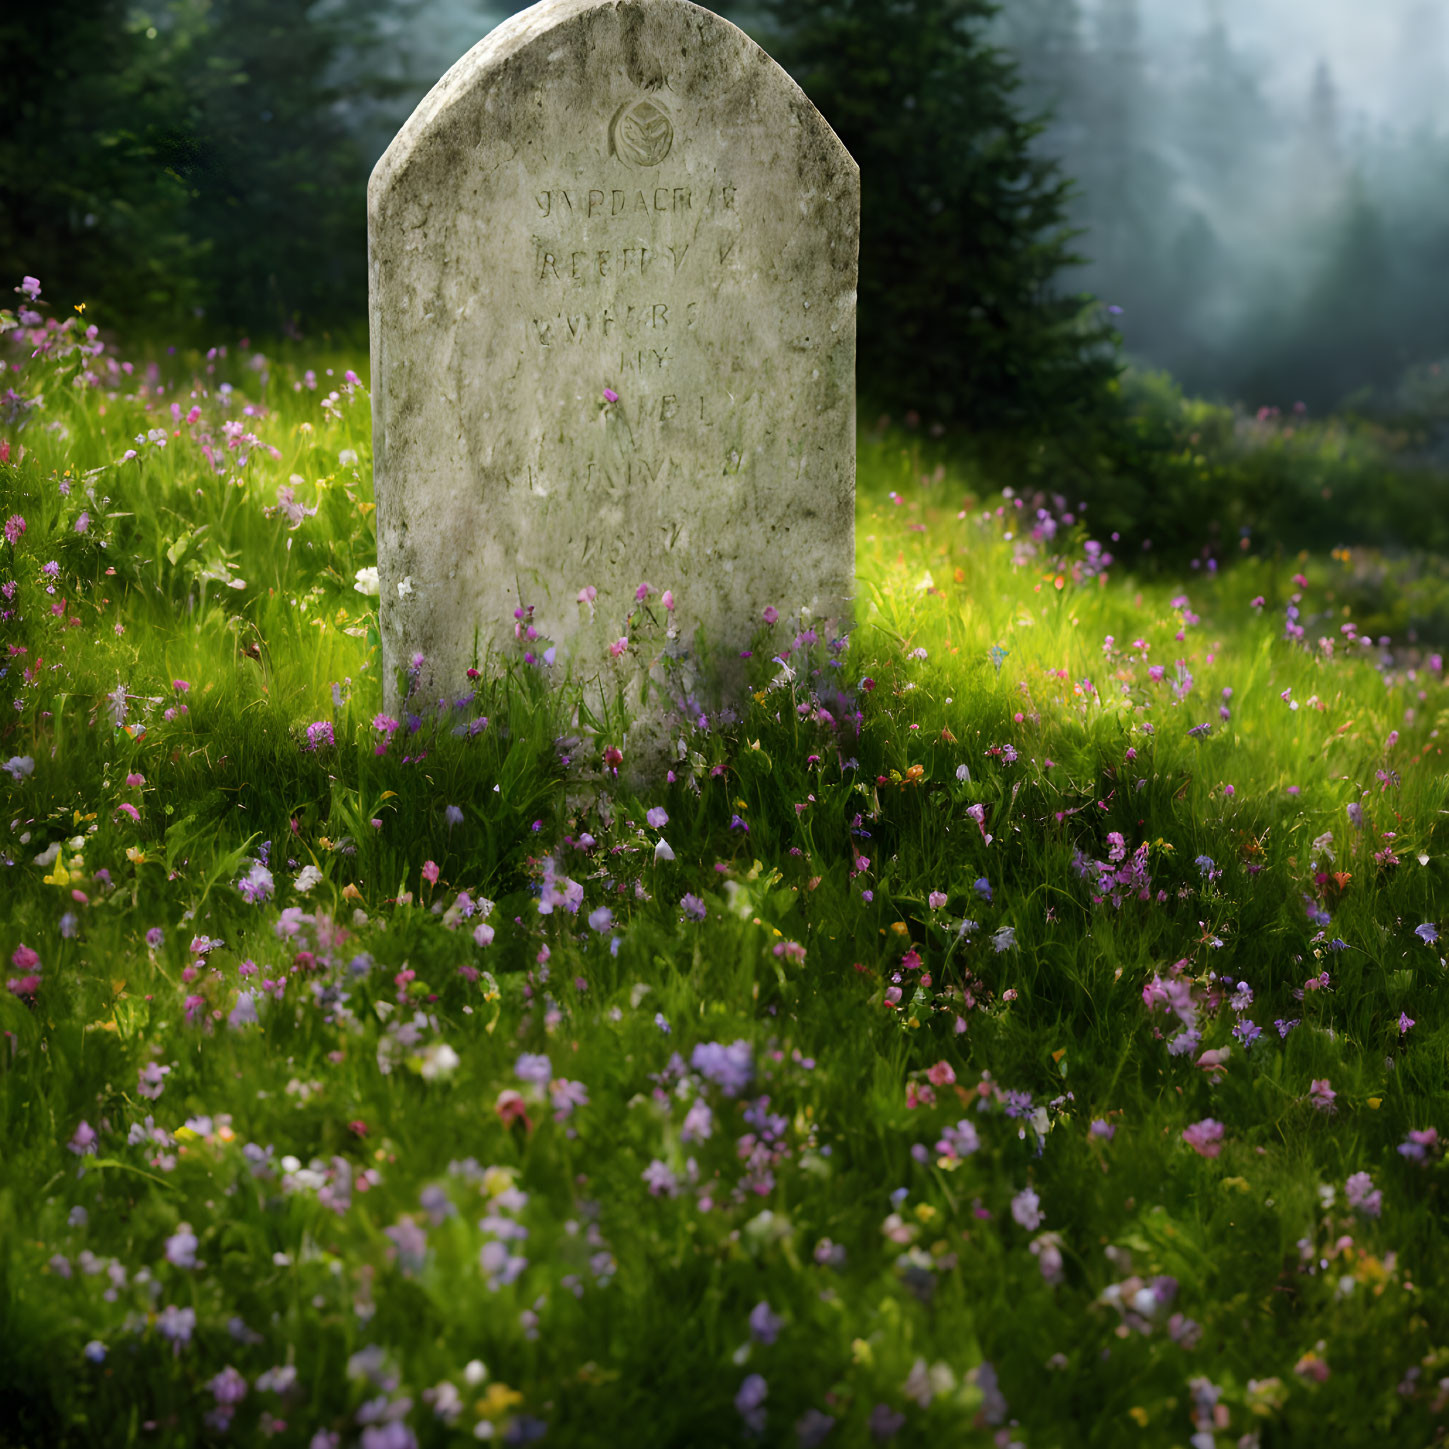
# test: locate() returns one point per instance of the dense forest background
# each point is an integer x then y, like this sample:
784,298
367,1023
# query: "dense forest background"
1251,195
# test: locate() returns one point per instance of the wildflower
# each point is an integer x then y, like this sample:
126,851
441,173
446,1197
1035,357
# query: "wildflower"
1405,1022
176,1324
657,818
664,852
1026,1209
957,1142
610,395
1102,1128
1321,1094
1363,1196
565,1096
601,920
693,907
511,1108
83,1140
619,646
1418,1144
765,1324
1004,939
1047,1248
181,1247
936,900
1426,933
731,1068
452,816
19,766
1246,1032
750,1402
257,885
151,1080
367,582
439,1060
14,527
812,1426
698,1123
885,1423
319,733
533,1067
660,1179
244,1013
940,1075
307,877
982,887
483,934
1205,1137
95,1351
430,872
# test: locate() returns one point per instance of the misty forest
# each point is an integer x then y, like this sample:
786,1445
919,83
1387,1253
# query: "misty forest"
1017,1017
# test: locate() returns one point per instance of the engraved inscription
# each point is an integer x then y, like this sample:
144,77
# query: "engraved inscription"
613,322
553,264
596,203
641,132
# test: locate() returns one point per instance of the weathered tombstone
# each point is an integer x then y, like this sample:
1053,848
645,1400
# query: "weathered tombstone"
613,265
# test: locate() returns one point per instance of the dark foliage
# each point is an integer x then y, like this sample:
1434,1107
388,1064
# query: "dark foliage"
963,231
192,161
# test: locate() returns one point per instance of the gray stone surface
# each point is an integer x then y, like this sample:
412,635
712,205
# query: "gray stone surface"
620,195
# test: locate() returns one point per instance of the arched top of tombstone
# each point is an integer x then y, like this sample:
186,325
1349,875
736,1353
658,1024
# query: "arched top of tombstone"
612,272
569,36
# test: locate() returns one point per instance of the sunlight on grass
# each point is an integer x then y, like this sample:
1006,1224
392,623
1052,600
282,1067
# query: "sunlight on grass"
1020,1022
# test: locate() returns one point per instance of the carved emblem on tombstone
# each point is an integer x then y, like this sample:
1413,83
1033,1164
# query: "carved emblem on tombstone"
641,133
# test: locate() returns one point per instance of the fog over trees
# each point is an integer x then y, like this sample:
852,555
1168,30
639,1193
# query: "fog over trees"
1263,185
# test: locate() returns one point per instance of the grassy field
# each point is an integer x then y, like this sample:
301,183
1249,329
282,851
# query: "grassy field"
1024,1024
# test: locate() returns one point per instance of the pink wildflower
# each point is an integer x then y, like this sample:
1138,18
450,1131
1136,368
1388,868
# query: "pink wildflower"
1205,1137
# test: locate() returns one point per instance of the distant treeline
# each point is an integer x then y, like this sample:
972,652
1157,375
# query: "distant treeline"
202,164
192,157
1266,250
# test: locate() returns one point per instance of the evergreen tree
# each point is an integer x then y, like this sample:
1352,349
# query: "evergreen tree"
963,224
1344,335
1323,145
1130,211
277,180
1223,119
86,203
196,158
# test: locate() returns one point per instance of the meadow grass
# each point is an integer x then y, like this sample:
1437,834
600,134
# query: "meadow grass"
1017,1039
